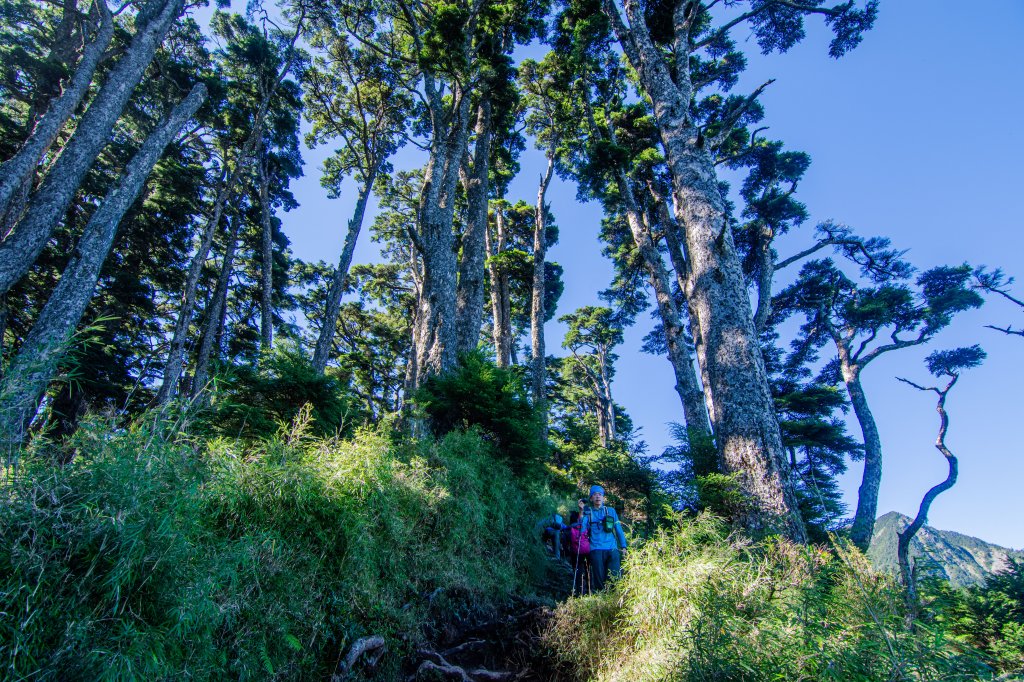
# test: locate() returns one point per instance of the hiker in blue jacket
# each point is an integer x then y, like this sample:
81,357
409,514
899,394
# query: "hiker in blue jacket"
606,538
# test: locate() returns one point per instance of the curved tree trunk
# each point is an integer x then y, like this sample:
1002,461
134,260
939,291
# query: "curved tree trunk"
325,340
470,297
867,495
33,367
17,172
904,538
21,248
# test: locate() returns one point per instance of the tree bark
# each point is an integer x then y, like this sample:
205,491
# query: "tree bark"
470,295
325,340
867,495
266,262
687,386
437,334
214,313
537,309
33,367
746,427
501,304
21,248
17,172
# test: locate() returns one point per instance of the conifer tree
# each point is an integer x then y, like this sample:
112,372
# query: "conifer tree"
852,317
681,51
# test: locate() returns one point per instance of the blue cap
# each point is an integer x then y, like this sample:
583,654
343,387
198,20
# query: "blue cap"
596,489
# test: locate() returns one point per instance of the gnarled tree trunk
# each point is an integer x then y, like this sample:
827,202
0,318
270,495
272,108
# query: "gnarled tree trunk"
266,262
867,495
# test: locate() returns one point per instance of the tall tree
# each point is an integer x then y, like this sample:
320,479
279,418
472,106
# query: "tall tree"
274,57
852,317
592,335
680,48
354,95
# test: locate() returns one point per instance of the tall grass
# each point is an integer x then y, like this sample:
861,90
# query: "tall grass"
152,557
697,603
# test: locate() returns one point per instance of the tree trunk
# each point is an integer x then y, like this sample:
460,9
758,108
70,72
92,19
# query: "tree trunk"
33,367
437,334
17,172
176,353
867,495
266,262
325,340
746,427
470,296
21,248
675,245
687,385
215,311
537,309
765,277
904,538
501,304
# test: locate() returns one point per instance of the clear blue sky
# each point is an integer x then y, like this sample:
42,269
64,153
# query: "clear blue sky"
915,135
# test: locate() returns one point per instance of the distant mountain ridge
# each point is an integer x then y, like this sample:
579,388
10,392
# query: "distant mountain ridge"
962,559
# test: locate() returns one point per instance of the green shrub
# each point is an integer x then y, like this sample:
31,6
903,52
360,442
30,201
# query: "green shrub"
697,603
252,401
481,394
151,557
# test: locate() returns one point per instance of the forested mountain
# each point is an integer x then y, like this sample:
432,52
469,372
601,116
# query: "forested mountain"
225,461
961,559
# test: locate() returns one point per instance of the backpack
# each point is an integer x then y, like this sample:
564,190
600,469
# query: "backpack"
579,541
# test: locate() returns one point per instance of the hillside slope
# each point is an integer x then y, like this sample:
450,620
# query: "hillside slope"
962,559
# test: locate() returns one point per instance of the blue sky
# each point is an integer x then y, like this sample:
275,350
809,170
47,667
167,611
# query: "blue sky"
916,135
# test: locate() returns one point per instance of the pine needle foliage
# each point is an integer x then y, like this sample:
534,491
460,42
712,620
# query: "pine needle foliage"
699,603
154,555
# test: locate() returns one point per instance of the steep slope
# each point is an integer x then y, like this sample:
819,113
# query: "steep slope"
962,559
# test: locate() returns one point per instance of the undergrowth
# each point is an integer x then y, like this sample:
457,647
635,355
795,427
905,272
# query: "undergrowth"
698,603
154,556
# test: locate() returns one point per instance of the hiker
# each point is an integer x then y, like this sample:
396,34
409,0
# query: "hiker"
606,538
577,551
553,530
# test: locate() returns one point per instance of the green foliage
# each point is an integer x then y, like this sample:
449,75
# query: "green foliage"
252,401
483,395
156,556
989,617
698,603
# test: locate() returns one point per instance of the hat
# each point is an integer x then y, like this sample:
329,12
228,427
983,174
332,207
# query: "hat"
596,489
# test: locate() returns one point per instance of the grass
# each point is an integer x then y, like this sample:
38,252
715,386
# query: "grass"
153,555
699,603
